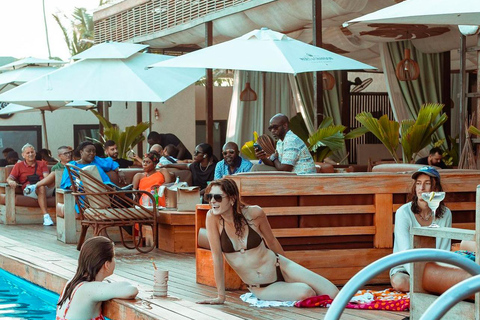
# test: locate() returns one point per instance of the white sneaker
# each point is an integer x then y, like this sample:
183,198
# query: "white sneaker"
47,221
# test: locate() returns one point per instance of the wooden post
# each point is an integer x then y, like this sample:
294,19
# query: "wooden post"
345,107
317,76
100,111
209,86
463,92
139,120
446,84
383,220
477,124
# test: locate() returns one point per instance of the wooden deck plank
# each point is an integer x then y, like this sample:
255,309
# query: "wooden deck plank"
38,245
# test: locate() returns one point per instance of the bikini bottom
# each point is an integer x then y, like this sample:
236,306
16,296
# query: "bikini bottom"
279,277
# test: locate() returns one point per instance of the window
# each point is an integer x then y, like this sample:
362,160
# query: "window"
82,132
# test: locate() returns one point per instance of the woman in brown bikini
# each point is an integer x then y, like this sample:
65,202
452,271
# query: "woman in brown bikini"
242,233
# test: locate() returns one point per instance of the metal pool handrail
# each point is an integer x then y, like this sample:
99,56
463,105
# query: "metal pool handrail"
390,261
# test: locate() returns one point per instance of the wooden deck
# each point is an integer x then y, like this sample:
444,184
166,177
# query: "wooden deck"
36,248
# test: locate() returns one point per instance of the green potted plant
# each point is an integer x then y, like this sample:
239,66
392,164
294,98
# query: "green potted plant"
125,139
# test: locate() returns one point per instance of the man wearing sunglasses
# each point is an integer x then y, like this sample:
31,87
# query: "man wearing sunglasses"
291,152
232,162
65,155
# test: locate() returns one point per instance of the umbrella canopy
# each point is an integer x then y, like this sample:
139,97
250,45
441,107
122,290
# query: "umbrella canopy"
443,12
31,62
110,50
105,80
14,78
265,50
14,108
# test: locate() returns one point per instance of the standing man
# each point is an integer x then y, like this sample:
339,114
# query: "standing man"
434,159
232,162
112,152
291,152
165,139
28,173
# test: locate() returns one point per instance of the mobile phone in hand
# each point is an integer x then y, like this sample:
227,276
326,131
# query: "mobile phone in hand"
257,147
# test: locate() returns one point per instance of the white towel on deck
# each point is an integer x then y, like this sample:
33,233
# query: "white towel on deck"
255,302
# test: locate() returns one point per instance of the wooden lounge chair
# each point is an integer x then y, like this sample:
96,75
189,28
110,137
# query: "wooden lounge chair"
101,207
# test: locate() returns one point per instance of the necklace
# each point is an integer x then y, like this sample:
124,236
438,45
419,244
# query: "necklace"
427,217
203,170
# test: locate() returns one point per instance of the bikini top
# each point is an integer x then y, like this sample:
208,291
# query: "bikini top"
99,317
253,240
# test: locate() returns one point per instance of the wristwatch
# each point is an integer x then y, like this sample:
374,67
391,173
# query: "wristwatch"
273,157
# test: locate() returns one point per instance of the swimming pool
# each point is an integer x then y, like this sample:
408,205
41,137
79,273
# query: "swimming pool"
20,299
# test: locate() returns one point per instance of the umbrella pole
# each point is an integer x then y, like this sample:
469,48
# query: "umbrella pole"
463,92
44,125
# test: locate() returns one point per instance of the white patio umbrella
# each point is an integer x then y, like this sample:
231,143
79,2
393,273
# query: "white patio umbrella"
442,12
265,50
23,70
95,79
463,13
12,108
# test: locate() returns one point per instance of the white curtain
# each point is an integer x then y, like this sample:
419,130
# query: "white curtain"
245,117
399,107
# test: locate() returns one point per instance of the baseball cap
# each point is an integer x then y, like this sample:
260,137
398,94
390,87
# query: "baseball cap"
429,171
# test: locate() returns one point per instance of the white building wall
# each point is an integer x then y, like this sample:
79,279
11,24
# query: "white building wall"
177,116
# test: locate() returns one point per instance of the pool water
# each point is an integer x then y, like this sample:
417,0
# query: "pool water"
20,299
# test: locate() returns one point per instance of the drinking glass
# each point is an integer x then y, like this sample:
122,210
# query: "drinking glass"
433,200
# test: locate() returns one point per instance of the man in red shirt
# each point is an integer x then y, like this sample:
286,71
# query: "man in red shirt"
27,173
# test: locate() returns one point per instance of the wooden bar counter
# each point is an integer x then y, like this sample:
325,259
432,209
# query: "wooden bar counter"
336,224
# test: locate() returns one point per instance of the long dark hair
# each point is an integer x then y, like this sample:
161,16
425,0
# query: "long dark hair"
231,190
436,186
93,255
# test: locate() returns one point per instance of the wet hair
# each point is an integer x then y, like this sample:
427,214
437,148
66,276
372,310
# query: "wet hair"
171,150
231,190
93,255
435,150
436,186
153,155
26,146
108,143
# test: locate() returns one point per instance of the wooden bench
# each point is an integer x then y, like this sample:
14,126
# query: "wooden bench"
336,224
15,208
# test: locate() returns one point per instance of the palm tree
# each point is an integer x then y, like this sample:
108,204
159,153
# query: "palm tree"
82,34
46,29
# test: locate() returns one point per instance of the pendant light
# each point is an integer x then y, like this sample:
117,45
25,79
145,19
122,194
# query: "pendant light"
248,94
407,69
328,80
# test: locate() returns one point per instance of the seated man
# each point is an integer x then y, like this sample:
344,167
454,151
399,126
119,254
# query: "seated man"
88,158
433,159
28,173
112,152
12,158
65,156
169,138
3,162
232,162
169,155
291,152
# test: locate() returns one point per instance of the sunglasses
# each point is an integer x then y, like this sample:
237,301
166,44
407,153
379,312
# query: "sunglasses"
66,153
197,152
274,127
229,151
216,196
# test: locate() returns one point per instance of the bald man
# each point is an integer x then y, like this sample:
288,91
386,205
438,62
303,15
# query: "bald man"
232,162
291,152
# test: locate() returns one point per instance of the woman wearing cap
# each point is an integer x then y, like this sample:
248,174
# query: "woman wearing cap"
416,213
